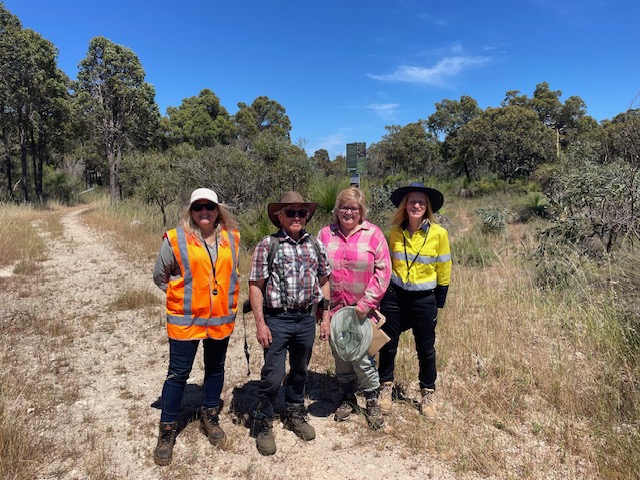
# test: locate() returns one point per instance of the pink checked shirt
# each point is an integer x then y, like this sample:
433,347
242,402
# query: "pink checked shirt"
360,266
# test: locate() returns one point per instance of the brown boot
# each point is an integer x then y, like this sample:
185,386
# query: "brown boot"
296,421
375,419
166,439
427,404
348,404
385,398
209,424
265,441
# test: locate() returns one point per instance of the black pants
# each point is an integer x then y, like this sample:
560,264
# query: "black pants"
292,333
416,311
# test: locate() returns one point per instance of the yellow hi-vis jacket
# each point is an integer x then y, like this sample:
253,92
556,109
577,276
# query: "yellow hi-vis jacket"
427,261
194,310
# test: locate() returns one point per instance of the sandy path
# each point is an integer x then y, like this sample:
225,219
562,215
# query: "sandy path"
119,359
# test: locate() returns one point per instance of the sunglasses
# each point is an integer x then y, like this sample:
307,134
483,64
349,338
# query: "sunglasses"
196,207
293,213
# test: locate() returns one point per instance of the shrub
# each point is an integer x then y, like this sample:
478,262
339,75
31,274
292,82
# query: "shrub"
494,219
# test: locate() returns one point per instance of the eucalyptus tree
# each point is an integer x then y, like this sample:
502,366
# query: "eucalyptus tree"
33,101
116,101
263,115
450,115
565,119
508,141
201,121
411,149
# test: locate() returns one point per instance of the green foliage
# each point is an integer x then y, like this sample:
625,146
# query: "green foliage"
200,121
326,191
537,203
60,185
493,218
254,225
595,208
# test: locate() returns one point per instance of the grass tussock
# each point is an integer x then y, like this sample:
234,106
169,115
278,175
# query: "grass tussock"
136,298
19,240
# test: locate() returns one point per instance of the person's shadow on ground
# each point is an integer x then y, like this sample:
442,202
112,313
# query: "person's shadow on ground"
321,389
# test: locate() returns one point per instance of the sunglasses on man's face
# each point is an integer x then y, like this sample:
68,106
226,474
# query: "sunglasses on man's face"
196,207
293,213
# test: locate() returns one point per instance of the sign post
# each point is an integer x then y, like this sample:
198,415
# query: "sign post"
356,161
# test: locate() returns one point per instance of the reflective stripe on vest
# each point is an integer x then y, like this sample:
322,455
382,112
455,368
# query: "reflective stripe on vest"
429,258
193,311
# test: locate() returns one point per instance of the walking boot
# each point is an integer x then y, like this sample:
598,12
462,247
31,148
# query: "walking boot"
385,399
263,429
375,419
427,404
348,404
296,422
210,426
166,439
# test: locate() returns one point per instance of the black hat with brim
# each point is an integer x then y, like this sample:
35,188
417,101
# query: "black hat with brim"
436,199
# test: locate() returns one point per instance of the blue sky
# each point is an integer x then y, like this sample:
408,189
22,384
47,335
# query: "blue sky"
344,70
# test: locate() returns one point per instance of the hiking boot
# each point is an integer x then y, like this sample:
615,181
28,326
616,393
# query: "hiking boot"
296,422
385,399
209,424
347,406
265,442
375,419
427,404
166,439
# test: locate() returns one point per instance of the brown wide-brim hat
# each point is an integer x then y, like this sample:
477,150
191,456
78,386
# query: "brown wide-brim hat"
436,199
289,198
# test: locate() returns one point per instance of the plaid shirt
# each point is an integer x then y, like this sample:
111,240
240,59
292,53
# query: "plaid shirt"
361,266
293,283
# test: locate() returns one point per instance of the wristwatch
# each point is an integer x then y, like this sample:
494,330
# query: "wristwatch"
325,304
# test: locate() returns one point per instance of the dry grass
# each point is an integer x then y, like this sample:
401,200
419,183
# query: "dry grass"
532,383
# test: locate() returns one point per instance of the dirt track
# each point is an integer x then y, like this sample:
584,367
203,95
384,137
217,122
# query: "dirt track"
117,363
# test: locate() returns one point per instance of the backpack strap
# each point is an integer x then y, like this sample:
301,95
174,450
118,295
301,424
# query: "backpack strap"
274,243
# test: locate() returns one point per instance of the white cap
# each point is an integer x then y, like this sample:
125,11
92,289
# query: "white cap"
204,194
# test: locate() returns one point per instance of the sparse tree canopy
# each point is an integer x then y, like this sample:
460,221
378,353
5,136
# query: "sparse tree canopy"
116,100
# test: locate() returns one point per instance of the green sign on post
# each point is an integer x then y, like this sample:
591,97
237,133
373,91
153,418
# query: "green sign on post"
356,157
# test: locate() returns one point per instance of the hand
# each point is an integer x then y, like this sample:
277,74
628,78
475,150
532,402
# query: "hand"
263,334
360,314
325,326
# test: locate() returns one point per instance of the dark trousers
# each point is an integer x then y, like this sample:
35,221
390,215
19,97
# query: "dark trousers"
409,310
181,356
293,333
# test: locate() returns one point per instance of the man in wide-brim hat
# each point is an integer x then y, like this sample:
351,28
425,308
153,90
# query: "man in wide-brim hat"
289,277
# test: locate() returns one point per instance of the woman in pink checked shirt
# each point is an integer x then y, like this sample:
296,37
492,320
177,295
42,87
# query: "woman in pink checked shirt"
361,269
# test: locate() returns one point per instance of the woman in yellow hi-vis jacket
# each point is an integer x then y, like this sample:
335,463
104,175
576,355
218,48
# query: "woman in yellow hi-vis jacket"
421,269
197,267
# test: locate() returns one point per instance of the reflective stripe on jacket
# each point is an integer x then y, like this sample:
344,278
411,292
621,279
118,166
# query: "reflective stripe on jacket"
193,310
429,259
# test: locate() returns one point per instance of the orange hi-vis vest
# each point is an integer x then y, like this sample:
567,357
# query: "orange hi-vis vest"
198,308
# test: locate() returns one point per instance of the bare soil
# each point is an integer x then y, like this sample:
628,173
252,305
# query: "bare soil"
108,367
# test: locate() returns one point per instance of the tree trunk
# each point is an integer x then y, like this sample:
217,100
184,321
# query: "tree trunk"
7,149
22,135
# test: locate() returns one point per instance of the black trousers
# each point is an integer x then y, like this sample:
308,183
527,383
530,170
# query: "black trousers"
416,311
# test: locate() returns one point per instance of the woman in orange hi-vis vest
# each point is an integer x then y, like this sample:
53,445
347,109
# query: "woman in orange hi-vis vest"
197,267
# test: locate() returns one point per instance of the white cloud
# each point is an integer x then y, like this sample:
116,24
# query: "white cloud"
386,111
334,144
436,75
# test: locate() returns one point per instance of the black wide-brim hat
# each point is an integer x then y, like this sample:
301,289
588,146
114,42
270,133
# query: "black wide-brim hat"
436,199
289,198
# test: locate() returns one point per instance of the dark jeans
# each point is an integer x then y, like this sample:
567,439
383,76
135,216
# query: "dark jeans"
409,310
293,333
181,356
